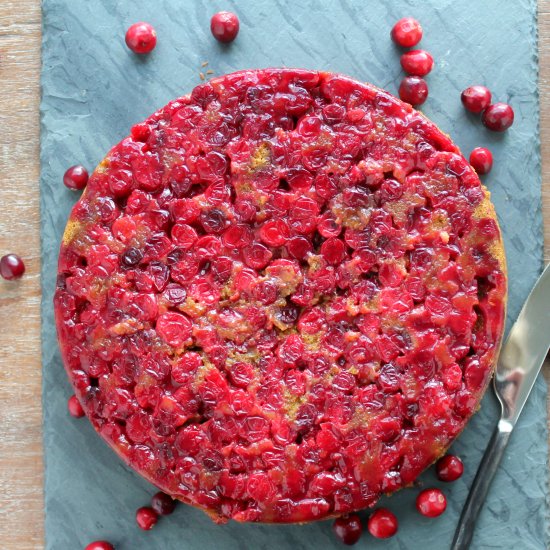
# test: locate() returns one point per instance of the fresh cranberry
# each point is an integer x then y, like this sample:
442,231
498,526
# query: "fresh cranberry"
449,468
498,117
163,504
74,406
417,62
224,26
413,90
348,529
431,503
482,160
407,32
476,98
141,38
76,177
146,518
11,267
382,524
100,545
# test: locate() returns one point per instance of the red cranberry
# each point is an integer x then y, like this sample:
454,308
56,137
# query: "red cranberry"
417,62
298,247
11,267
498,117
333,250
348,529
413,90
76,177
224,26
146,518
213,221
100,545
131,257
431,503
257,255
275,232
476,98
141,38
75,408
449,468
407,32
482,160
163,504
382,524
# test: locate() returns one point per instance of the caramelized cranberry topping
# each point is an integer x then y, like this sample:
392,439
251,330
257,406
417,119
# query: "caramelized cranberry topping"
281,297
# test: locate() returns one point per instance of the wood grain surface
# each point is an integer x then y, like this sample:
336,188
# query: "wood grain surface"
21,511
21,466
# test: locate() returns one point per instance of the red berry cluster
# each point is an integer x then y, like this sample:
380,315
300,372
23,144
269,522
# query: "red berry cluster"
146,516
141,37
161,505
413,89
497,117
383,524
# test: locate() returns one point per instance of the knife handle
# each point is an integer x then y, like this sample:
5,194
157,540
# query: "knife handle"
478,491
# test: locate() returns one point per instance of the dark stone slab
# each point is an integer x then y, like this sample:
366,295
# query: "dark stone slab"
94,89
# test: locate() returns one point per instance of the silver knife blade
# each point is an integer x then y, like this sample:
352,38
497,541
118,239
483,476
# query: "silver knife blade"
523,353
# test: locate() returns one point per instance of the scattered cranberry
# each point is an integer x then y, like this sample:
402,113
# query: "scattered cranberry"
146,518
482,160
224,26
431,503
76,177
141,38
11,267
413,90
382,524
476,98
75,408
348,529
417,62
449,468
498,117
163,504
407,32
100,545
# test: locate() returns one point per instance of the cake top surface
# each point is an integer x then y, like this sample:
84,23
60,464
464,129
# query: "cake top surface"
281,296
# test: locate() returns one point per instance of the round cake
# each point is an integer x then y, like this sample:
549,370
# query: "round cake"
281,296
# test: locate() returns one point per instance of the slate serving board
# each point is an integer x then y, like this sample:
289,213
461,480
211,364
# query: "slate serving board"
94,89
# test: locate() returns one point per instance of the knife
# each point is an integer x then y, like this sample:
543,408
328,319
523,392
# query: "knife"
518,365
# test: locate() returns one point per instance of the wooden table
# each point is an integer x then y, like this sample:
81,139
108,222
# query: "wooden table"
21,467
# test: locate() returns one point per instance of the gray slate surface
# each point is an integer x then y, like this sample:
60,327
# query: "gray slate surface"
94,89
